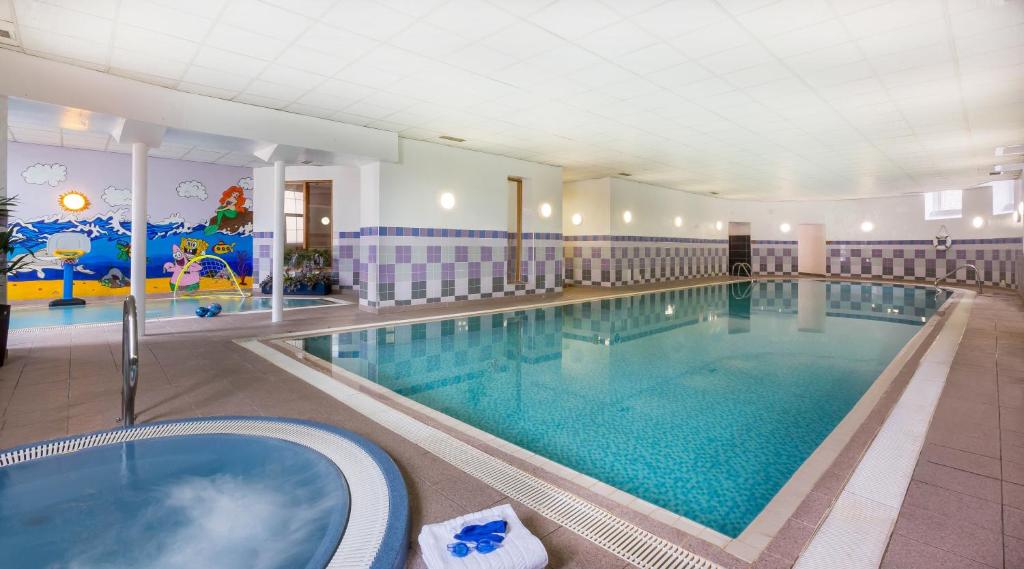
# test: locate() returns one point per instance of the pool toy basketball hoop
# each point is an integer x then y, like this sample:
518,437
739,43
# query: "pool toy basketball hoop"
67,248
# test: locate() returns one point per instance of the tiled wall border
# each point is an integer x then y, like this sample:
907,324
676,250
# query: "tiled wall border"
407,266
918,260
616,260
773,257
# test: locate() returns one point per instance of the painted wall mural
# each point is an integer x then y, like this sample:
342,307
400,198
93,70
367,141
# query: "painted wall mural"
194,209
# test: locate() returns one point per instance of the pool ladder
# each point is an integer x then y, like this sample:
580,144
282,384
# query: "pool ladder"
129,361
742,265
954,271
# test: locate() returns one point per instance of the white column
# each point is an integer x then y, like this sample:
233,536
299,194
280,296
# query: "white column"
277,299
139,221
3,187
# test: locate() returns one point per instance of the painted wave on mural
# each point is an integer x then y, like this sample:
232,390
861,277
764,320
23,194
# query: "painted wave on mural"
110,237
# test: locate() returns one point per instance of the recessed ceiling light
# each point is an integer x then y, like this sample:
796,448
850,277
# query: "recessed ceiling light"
452,138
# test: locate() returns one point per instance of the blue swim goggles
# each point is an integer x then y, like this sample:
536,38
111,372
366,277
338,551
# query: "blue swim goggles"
484,537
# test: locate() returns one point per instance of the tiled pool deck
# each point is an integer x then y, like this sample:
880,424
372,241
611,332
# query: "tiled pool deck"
965,507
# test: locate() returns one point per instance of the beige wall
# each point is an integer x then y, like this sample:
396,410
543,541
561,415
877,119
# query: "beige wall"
811,248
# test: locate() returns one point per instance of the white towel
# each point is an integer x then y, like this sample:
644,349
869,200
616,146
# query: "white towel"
520,550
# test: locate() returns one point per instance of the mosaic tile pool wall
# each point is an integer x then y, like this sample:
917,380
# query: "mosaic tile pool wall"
403,266
918,260
614,260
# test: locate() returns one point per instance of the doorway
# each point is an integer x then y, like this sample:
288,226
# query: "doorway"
810,249
739,248
515,274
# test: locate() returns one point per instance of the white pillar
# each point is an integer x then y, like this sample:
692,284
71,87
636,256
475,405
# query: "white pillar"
3,187
277,299
139,221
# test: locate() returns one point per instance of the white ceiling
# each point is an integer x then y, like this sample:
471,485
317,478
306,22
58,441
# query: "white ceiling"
41,123
774,99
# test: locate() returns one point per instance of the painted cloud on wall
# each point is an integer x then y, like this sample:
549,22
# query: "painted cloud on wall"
245,183
192,189
117,197
48,174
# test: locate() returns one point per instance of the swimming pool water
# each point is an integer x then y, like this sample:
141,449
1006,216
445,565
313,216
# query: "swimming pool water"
703,401
223,501
101,311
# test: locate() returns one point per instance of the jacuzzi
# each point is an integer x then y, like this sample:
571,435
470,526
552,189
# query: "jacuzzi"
225,492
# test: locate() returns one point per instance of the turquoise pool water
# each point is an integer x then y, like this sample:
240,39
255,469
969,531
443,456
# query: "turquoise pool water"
703,401
224,501
99,312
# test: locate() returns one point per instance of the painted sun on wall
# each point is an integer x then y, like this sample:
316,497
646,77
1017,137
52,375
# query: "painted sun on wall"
194,209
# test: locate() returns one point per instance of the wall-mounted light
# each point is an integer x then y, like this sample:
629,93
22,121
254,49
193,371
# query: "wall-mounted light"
867,227
325,220
545,210
73,201
678,221
447,200
785,227
577,219
627,216
978,222
718,225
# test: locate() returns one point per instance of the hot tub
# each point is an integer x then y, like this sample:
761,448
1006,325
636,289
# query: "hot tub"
245,492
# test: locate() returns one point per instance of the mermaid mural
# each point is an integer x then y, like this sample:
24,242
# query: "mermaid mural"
182,223
232,205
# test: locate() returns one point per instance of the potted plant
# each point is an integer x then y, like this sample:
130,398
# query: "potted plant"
306,273
8,266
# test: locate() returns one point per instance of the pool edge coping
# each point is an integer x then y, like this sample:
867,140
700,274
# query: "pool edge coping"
331,302
867,505
756,538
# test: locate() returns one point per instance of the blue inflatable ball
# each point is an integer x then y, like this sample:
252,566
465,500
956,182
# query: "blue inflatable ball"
215,309
202,311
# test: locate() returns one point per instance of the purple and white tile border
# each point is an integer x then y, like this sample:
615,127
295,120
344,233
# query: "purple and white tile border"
615,260
918,260
405,266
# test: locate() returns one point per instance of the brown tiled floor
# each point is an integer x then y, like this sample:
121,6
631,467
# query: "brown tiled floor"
965,504
67,382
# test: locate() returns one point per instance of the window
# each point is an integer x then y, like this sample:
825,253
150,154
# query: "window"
295,215
947,204
1002,197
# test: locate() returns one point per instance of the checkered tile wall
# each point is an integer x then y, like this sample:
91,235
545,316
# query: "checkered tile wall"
773,257
344,262
920,261
346,259
402,266
607,260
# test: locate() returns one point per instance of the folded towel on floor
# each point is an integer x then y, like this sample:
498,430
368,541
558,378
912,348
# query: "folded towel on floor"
520,549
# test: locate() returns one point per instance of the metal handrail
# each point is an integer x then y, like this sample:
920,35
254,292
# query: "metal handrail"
129,361
743,265
954,271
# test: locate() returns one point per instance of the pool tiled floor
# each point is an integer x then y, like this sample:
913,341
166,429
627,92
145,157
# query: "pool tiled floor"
965,507
965,504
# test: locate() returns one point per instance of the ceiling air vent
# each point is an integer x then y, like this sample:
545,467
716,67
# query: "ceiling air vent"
626,174
7,35
452,138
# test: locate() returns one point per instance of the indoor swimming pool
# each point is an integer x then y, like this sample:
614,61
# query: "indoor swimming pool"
103,311
703,401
